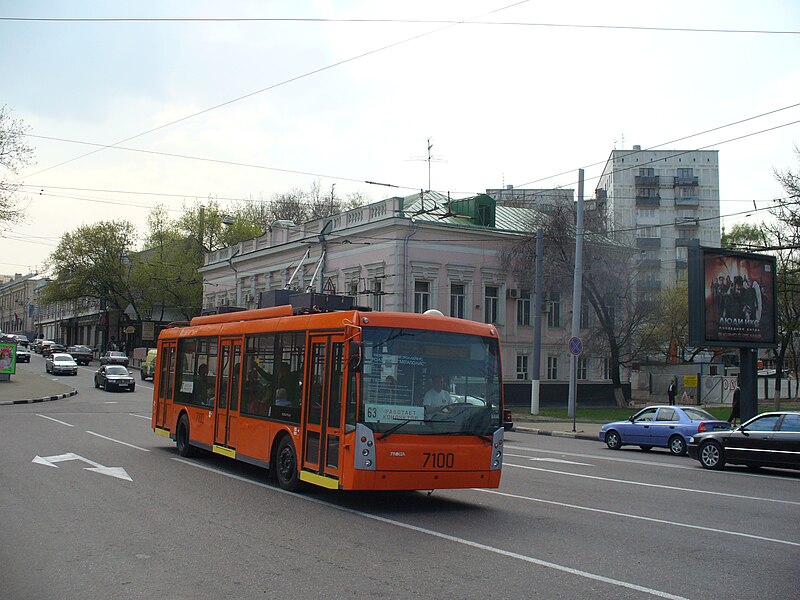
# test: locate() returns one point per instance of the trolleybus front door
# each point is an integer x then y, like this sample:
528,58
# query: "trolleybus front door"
227,393
163,382
323,406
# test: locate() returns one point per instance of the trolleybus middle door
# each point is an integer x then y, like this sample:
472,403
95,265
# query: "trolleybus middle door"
323,408
227,394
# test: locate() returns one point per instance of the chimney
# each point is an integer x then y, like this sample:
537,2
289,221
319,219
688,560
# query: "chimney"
637,148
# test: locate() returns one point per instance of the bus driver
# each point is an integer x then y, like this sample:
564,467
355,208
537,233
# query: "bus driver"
436,397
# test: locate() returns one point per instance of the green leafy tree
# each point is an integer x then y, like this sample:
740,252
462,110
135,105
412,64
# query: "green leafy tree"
94,262
14,154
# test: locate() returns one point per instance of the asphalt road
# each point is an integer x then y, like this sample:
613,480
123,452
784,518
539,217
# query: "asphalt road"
572,519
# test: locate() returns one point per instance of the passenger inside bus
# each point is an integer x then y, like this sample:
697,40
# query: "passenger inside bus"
256,391
201,390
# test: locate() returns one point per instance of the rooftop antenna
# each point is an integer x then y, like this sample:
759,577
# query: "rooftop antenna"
429,158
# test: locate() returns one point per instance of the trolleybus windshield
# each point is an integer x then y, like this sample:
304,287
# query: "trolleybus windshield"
427,382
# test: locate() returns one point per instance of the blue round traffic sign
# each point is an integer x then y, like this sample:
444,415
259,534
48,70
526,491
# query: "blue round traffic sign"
575,345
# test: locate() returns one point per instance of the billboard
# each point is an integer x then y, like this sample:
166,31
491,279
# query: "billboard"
8,358
732,299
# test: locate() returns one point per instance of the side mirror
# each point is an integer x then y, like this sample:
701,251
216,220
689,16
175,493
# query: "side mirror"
356,357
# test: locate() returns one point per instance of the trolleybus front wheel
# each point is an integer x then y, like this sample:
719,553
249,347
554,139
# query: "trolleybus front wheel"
286,467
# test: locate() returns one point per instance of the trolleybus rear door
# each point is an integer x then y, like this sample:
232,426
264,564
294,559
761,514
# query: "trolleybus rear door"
227,393
323,406
164,383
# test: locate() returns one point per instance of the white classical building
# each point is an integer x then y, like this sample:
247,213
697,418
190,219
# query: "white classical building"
661,202
411,254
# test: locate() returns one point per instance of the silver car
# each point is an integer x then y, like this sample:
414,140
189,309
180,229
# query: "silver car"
60,363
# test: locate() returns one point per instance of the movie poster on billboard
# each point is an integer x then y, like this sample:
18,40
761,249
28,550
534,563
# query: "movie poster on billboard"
739,298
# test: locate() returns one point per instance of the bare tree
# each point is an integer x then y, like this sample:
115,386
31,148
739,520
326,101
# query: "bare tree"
14,154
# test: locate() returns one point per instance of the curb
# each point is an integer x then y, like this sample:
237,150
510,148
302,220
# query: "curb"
43,399
567,434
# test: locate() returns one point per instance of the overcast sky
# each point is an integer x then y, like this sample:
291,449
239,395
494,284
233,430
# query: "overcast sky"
253,107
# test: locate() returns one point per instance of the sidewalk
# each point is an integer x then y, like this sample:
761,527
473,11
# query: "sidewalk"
25,388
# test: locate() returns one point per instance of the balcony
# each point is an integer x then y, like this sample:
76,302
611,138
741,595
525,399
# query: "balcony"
644,243
685,242
650,264
692,201
687,223
680,181
645,180
648,284
648,201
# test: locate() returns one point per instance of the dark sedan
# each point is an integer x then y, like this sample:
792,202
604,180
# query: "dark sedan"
53,349
111,377
767,440
113,357
81,354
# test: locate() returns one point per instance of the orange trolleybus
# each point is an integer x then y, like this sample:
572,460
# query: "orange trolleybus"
347,399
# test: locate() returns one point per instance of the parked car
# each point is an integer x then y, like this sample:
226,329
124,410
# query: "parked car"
22,340
768,440
508,420
42,345
23,354
148,368
661,426
36,344
60,362
114,377
53,349
114,357
82,354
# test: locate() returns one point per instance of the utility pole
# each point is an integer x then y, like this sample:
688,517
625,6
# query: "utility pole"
537,323
576,301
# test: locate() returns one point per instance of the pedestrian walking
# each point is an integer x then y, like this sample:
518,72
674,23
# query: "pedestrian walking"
735,407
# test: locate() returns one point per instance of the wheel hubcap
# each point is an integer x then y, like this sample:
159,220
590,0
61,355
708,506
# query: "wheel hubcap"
710,455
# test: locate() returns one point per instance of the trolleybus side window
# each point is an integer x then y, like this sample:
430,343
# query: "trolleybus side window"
197,368
273,367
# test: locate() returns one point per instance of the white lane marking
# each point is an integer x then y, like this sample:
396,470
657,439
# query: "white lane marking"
555,460
654,485
56,420
639,517
117,441
110,402
596,457
451,538
649,463
148,417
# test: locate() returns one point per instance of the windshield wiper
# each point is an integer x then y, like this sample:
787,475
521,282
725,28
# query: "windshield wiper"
394,428
483,436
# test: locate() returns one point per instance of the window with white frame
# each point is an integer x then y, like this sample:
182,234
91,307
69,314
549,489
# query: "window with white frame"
491,303
554,310
552,367
422,296
457,300
582,367
522,366
524,308
586,314
377,295
606,363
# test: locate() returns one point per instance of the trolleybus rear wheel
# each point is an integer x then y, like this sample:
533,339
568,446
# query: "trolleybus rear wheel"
184,448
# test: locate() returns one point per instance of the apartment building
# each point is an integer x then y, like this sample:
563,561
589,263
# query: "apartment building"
661,202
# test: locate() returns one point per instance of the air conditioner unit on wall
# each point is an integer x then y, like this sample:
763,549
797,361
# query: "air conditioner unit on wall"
512,293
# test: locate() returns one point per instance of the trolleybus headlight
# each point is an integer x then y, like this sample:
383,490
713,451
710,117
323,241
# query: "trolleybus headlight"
369,443
499,454
496,463
365,452
368,462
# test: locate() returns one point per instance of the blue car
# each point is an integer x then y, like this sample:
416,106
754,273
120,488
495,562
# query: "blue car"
661,426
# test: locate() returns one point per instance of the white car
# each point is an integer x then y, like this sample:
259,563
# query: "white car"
23,354
60,363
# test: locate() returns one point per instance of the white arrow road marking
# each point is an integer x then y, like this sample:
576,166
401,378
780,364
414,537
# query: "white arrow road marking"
50,461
